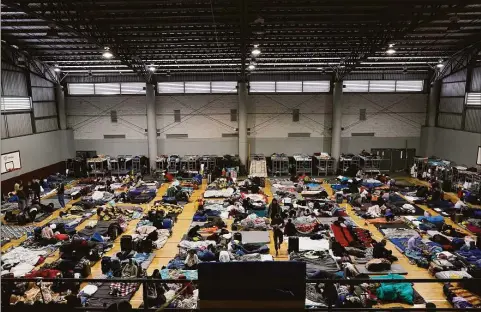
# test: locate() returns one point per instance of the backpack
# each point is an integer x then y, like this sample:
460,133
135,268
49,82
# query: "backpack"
116,267
238,236
106,264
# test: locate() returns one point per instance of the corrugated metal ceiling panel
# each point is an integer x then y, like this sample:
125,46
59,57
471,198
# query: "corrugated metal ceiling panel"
44,109
19,124
44,125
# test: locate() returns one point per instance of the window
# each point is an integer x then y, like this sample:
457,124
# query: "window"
133,88
356,86
81,88
409,85
112,88
170,87
262,86
197,87
107,88
224,86
9,104
316,86
473,99
379,86
382,86
289,86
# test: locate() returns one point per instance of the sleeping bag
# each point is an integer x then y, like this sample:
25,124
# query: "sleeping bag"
395,291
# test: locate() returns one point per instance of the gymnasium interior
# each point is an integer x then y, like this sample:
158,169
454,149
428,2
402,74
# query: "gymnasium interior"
250,155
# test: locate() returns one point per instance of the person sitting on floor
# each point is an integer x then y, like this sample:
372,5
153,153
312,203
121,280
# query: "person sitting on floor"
379,251
412,243
469,245
380,200
194,234
192,260
389,215
290,229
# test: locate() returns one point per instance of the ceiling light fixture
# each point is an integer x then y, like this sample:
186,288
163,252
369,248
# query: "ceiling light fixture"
256,51
107,54
440,64
390,50
252,67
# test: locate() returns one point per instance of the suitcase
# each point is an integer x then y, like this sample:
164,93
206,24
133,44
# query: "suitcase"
293,244
83,267
238,236
126,243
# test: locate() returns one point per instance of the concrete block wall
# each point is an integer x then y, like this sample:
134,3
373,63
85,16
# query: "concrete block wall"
395,120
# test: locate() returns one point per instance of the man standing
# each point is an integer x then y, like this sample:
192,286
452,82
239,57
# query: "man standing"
36,189
60,194
22,199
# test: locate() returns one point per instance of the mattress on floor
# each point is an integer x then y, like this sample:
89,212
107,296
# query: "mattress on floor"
395,269
255,237
306,244
54,201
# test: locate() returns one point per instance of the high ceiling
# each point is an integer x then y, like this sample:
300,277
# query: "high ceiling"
217,36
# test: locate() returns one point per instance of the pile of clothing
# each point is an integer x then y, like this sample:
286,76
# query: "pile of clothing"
254,223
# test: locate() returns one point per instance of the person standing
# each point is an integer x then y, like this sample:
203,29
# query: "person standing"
60,194
278,238
22,199
274,209
36,189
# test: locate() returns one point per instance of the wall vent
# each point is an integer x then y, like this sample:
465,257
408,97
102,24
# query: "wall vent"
177,115
233,115
113,116
114,136
295,115
230,135
298,135
363,134
176,136
362,114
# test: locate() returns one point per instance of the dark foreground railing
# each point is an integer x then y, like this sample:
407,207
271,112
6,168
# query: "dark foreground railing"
7,282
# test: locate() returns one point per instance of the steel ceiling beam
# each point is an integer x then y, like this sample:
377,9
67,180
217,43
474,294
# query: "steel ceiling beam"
465,57
20,58
88,29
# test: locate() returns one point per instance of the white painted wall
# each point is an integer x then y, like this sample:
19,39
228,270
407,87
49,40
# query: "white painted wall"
395,120
454,145
39,150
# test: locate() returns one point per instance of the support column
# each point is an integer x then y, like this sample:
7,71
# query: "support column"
242,111
433,102
151,125
336,122
62,114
